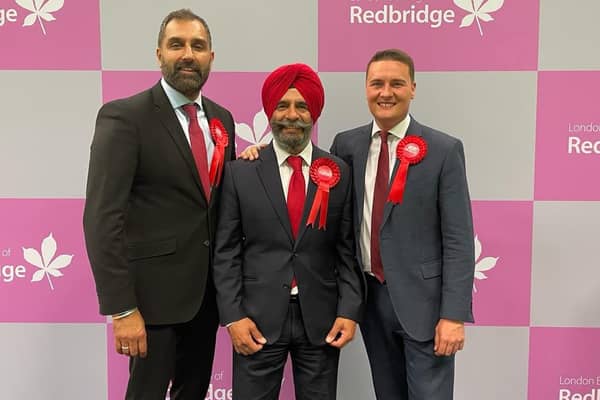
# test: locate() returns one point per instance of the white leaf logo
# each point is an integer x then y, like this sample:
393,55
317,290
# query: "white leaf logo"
482,265
40,10
479,10
259,133
47,264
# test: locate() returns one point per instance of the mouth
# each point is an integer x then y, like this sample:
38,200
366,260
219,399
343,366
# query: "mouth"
386,105
292,130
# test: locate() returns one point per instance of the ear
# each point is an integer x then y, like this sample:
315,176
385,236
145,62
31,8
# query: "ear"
158,56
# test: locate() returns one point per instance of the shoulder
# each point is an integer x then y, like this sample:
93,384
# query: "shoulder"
439,139
350,134
132,105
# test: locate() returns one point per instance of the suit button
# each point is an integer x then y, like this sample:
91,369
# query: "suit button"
206,243
286,286
294,255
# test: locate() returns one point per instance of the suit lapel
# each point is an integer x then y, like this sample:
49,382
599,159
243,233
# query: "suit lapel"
414,128
268,172
360,167
167,117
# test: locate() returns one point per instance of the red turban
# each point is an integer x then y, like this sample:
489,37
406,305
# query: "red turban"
300,76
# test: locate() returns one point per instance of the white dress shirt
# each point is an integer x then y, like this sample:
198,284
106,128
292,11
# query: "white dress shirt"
285,173
396,134
178,100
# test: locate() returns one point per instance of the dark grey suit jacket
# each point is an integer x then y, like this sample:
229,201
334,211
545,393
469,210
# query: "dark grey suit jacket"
256,255
148,226
426,242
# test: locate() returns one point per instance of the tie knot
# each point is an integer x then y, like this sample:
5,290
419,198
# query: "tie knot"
190,109
384,135
295,162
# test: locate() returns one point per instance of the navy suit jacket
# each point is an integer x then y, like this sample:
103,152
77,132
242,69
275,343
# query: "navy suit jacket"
427,245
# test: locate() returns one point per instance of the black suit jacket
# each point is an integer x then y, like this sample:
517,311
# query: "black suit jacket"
256,255
148,226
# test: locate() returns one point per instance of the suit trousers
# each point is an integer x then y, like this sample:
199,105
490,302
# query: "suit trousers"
179,354
315,367
402,368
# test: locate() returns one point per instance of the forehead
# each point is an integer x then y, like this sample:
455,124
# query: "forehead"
389,69
185,29
292,95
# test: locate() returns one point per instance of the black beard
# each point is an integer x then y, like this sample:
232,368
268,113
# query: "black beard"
291,143
189,85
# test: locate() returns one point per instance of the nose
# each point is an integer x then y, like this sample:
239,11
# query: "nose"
187,52
292,113
386,90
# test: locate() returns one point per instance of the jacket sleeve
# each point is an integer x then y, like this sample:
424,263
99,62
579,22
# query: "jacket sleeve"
112,169
456,223
227,265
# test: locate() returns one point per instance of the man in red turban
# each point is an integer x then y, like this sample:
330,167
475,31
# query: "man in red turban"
284,288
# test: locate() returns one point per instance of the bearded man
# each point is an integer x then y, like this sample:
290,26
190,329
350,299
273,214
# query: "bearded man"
150,216
286,278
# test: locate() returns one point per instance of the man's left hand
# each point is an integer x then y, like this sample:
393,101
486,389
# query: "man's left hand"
341,333
449,337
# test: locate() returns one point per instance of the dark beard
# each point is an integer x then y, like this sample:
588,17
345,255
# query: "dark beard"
189,85
293,144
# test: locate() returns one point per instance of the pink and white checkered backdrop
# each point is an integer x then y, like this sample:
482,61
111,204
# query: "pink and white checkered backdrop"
517,80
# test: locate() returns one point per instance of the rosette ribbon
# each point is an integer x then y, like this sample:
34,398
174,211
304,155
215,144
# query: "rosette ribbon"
325,173
411,150
221,140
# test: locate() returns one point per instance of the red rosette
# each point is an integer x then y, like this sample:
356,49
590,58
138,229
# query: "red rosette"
411,150
221,140
325,173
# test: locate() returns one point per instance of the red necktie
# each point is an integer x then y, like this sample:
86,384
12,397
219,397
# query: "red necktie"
295,197
198,146
379,197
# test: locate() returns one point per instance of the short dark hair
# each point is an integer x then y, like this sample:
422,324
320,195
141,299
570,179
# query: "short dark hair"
184,14
394,55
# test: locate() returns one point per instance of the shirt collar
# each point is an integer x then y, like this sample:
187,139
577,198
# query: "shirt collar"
177,99
399,130
282,155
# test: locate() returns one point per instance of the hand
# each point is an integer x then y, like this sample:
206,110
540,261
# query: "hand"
130,335
341,333
245,337
449,337
251,152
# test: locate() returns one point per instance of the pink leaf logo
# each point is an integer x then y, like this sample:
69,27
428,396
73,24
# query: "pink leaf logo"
40,10
259,133
482,265
479,10
46,262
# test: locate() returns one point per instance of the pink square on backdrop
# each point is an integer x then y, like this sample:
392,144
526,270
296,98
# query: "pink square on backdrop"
239,92
508,41
503,262
220,386
563,364
71,41
567,150
39,235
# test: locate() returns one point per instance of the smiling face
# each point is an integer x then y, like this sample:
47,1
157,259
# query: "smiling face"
390,90
291,122
185,56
